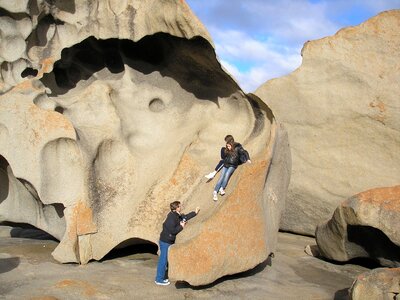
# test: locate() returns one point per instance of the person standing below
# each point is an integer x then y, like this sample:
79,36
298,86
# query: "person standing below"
233,155
173,224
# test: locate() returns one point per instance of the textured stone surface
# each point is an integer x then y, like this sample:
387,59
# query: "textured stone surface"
109,111
342,112
366,225
28,271
246,222
381,283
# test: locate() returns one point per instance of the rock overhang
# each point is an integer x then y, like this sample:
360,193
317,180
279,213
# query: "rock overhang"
123,105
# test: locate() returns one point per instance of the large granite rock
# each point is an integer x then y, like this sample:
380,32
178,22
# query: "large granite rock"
378,284
109,111
342,112
366,225
243,226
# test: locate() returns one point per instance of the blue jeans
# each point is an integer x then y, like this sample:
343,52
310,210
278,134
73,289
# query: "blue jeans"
226,173
162,261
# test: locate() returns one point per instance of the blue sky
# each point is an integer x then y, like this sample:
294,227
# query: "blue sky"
257,40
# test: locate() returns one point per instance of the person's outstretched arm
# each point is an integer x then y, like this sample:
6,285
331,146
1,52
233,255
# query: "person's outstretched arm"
192,214
219,165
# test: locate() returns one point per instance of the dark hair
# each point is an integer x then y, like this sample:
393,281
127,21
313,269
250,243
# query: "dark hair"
174,205
229,138
232,151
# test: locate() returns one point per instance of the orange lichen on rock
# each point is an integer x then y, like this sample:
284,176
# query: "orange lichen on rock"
232,236
379,104
49,120
47,66
85,222
46,123
24,86
181,181
380,117
183,178
86,288
387,197
44,298
80,221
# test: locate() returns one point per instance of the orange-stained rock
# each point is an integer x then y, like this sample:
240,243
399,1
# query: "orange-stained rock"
381,283
240,233
236,229
366,225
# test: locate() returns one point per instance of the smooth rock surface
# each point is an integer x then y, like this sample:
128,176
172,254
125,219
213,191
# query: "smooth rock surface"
366,225
342,112
27,271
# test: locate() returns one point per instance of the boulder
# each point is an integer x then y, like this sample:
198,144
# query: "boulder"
243,226
378,284
364,226
114,109
342,112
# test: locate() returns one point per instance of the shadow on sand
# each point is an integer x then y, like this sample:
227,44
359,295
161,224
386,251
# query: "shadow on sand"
8,264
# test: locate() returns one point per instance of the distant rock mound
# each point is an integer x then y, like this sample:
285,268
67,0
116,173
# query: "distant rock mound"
364,226
109,111
342,112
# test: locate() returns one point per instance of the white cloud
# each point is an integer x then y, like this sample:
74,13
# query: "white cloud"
253,78
292,21
257,40
252,62
239,45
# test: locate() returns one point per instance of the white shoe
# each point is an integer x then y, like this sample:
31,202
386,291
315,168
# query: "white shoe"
221,191
211,175
162,282
215,196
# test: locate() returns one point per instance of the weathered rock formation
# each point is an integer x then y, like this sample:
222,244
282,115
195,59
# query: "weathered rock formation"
379,284
342,112
109,111
236,235
366,225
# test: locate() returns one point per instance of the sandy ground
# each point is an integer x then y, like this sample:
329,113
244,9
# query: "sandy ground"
28,271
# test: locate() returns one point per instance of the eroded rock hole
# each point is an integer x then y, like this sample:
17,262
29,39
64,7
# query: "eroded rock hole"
156,105
135,249
192,63
29,72
59,109
82,60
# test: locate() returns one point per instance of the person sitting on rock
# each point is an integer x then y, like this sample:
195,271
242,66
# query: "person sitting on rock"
234,154
173,224
220,164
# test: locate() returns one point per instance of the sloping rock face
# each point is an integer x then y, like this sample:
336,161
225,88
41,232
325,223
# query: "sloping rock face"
242,226
342,112
366,225
109,111
381,283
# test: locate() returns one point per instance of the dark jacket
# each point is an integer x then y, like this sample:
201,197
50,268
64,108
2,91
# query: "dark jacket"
221,162
172,226
236,158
